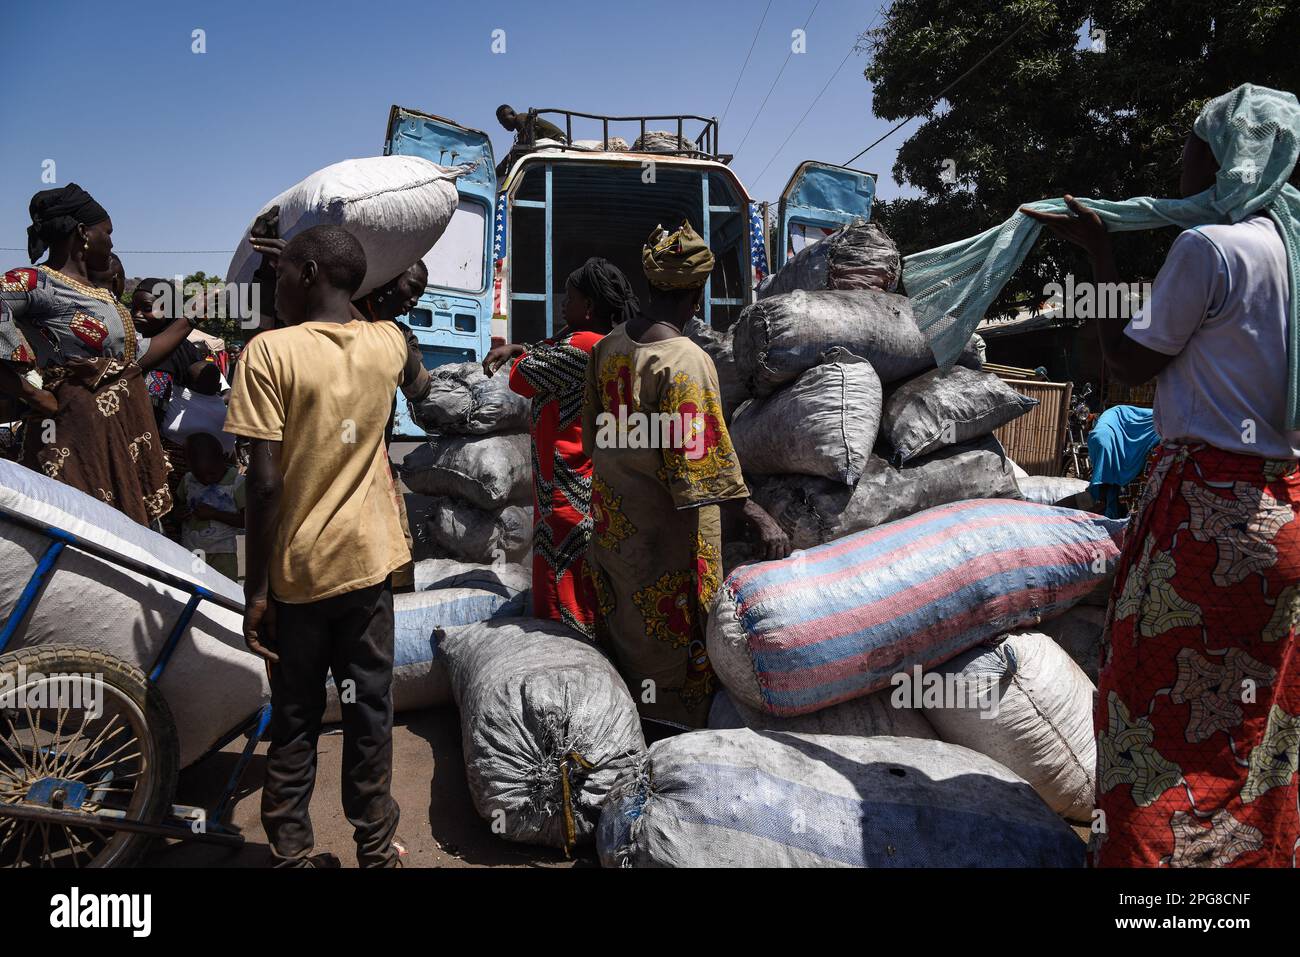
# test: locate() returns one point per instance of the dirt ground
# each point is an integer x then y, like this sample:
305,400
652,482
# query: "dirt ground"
439,823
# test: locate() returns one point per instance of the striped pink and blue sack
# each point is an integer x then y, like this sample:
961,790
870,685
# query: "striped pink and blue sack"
838,621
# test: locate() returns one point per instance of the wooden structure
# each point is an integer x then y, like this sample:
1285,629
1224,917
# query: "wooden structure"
1036,440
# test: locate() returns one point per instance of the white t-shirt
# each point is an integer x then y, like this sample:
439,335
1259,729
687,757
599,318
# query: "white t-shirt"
192,412
1221,305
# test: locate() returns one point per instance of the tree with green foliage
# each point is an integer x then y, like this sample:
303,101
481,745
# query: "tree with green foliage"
1093,98
227,328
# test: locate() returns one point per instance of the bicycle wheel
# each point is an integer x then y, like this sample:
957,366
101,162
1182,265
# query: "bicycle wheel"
85,732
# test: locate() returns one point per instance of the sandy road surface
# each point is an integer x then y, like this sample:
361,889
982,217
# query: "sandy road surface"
439,823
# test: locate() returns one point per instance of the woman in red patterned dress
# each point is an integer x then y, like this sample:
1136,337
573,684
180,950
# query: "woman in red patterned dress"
553,374
1198,711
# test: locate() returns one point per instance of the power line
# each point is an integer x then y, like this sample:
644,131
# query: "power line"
143,252
746,63
776,81
939,96
795,128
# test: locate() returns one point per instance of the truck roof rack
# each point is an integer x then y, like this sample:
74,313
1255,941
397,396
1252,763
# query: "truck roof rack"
704,145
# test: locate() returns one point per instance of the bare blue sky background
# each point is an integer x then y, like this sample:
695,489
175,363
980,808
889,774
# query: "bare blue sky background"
183,148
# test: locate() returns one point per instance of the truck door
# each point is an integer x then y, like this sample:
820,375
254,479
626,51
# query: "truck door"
453,321
819,199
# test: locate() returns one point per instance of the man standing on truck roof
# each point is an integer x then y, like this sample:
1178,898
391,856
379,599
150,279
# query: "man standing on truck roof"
528,129
521,125
323,538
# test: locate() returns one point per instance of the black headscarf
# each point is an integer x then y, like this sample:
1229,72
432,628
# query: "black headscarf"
57,212
605,285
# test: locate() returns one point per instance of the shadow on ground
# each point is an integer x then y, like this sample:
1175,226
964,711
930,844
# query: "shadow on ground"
439,823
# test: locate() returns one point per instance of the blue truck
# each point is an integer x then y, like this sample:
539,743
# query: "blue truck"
497,274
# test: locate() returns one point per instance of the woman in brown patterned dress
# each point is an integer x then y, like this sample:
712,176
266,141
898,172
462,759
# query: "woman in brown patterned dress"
70,351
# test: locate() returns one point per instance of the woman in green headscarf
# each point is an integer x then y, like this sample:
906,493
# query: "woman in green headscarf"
663,472
1198,713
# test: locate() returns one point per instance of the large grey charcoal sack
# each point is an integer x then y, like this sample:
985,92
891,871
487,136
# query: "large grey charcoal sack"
1026,705
823,424
865,717
539,708
938,409
464,401
719,347
857,256
654,141
814,511
776,799
457,529
489,471
779,338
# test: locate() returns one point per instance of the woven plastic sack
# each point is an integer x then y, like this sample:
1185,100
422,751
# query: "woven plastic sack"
859,255
461,595
822,424
1079,633
814,511
1026,705
865,717
464,401
395,206
455,528
779,338
838,621
939,409
547,725
1055,490
775,799
489,471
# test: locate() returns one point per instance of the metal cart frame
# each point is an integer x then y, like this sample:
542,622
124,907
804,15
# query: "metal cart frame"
38,804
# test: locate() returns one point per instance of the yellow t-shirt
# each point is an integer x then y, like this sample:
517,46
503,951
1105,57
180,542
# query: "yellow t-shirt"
324,391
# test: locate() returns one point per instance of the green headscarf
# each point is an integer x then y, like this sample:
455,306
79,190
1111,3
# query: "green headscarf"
1254,133
679,260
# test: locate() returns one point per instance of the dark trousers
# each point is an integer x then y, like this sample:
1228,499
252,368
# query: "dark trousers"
352,636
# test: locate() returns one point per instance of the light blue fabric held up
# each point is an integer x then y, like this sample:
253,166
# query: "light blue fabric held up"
1254,133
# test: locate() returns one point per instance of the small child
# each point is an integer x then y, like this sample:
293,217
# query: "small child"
212,503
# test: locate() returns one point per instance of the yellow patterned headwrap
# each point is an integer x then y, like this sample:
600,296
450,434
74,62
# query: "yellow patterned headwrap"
680,260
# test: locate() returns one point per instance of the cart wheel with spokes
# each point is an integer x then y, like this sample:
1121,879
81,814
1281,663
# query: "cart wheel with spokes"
82,735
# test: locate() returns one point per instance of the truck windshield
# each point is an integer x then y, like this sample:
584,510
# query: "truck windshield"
609,211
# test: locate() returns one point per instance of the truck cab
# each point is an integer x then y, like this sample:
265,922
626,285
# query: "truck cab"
498,272
562,204
453,320
818,199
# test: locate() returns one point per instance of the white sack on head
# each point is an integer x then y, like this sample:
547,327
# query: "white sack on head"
395,206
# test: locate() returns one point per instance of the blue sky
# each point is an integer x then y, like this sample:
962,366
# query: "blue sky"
183,148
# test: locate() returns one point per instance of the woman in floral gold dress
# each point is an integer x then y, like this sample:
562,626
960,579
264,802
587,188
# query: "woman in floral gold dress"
663,471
